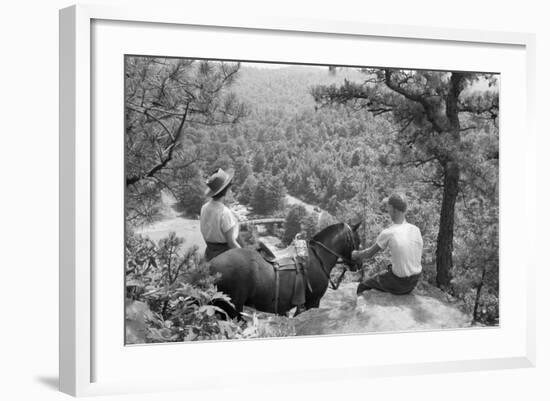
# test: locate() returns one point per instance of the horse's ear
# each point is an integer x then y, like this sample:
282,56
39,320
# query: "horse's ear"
354,227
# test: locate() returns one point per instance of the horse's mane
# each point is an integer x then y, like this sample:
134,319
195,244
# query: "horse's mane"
328,232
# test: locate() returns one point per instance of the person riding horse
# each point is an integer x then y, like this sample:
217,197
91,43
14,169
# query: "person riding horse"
219,226
248,278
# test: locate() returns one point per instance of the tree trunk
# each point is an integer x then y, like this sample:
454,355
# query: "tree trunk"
478,294
444,252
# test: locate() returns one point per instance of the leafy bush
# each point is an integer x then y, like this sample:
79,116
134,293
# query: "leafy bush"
192,316
170,295
293,222
477,261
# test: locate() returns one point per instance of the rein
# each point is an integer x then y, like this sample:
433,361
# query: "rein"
339,257
334,287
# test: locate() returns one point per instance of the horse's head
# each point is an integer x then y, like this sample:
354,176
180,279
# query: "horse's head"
352,244
340,240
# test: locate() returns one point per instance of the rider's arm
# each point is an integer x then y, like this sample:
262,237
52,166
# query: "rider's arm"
230,228
366,254
230,236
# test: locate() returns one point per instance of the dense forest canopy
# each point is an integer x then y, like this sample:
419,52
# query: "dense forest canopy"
340,139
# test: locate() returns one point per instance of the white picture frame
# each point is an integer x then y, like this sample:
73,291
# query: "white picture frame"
82,345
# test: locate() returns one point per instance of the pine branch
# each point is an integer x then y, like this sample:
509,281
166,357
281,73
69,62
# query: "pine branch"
169,150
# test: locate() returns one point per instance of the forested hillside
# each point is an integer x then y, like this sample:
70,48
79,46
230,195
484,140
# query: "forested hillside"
341,141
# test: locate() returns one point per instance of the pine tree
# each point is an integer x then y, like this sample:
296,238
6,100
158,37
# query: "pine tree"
293,223
431,109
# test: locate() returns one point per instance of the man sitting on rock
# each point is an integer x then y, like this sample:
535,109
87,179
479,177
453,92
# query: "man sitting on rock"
405,243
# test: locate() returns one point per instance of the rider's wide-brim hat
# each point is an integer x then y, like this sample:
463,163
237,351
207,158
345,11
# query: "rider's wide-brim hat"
218,181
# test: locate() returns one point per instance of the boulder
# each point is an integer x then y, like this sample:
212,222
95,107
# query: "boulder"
342,311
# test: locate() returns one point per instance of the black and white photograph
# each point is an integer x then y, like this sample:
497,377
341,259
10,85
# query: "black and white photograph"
278,200
290,200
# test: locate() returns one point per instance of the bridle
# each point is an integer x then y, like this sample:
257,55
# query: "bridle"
348,263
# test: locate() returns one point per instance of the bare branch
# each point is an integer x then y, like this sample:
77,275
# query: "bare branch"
147,114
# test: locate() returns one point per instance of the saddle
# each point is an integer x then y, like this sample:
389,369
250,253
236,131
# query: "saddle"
279,256
287,261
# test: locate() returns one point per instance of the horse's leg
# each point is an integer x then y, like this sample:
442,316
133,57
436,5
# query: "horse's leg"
299,309
312,302
235,281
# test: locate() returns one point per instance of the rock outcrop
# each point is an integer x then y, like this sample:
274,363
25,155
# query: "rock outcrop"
342,311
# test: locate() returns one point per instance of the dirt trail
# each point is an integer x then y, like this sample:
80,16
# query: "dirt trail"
188,229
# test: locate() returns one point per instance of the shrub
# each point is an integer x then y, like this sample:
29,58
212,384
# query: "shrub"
293,222
170,294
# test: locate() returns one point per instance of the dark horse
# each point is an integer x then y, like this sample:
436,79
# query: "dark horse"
249,280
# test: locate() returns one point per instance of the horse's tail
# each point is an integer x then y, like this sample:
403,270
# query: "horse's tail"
227,307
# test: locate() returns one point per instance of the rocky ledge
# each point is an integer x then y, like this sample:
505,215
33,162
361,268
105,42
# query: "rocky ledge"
342,311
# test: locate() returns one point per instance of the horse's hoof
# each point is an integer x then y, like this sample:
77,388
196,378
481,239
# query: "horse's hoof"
360,288
298,311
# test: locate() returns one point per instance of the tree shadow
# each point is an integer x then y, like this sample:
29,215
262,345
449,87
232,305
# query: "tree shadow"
52,382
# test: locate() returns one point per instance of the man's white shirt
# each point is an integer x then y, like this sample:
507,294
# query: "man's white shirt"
405,243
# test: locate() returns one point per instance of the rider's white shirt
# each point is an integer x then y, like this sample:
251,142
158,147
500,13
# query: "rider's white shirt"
405,243
216,219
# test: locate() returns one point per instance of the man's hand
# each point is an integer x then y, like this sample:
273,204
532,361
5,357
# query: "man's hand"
356,255
368,253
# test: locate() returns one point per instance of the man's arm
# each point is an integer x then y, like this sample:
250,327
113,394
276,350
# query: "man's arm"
365,254
230,237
